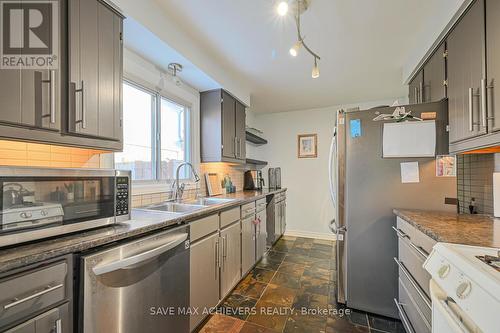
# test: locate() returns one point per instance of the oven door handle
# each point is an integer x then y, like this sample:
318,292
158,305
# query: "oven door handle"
137,259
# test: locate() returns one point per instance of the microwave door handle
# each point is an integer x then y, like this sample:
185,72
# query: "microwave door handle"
137,259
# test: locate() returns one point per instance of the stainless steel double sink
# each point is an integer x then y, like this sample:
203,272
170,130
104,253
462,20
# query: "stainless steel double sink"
186,207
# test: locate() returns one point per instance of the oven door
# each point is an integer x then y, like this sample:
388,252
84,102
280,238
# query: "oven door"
447,316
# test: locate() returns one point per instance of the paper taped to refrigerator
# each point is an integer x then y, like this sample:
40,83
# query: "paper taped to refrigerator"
410,139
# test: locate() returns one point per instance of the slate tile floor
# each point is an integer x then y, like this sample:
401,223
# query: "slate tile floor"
296,274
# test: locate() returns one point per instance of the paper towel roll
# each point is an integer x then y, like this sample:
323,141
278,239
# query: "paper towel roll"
496,194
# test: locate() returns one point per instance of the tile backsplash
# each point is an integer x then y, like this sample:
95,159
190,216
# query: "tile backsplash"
15,153
475,180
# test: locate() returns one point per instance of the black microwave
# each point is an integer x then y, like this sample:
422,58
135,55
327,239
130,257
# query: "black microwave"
37,203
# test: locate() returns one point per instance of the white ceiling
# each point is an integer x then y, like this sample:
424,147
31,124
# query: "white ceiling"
364,45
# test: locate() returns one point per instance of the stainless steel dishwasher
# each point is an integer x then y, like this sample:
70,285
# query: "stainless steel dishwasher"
139,286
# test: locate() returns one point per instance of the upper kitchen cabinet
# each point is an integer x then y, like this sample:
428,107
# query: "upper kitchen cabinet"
493,61
415,88
222,127
466,73
40,105
95,70
30,96
434,88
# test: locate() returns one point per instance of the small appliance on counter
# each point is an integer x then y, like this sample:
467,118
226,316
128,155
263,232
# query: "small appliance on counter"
253,180
271,178
277,175
39,203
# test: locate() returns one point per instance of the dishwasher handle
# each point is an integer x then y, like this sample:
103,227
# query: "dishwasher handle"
130,262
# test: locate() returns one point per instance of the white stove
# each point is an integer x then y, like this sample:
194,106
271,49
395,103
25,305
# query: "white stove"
465,288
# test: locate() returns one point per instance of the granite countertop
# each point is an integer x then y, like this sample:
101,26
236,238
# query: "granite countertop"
141,222
447,227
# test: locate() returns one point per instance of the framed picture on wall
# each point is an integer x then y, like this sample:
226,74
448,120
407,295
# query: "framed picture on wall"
307,145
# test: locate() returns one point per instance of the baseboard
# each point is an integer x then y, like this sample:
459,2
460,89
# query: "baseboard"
307,234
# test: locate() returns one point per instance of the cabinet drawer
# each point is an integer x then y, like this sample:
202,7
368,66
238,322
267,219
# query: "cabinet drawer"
205,226
229,216
413,263
417,320
417,237
421,300
247,209
261,204
32,291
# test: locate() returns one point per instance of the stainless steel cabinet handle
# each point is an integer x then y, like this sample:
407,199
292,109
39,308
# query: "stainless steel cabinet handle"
52,96
83,121
404,319
421,92
471,102
137,259
415,94
400,233
419,250
483,103
58,326
30,297
490,90
217,257
224,247
413,282
234,146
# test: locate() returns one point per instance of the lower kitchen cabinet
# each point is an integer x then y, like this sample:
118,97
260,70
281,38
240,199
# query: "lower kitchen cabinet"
204,272
261,233
247,243
230,258
414,303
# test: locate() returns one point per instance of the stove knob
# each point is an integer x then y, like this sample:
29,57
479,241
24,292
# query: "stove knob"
25,215
464,289
44,212
444,271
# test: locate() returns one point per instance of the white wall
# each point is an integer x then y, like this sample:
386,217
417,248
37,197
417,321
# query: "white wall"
309,209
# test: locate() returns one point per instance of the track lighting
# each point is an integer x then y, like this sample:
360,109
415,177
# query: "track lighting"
295,49
315,71
301,7
282,8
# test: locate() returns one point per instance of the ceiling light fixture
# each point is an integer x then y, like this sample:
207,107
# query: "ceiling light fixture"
175,68
301,7
282,8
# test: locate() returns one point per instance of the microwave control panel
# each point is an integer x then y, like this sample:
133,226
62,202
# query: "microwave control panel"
122,193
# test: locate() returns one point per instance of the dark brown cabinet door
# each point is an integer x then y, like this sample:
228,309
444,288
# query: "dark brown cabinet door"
466,70
240,131
493,61
434,76
95,57
415,88
30,97
228,126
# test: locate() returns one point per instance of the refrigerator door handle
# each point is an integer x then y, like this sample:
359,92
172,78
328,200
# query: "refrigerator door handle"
333,146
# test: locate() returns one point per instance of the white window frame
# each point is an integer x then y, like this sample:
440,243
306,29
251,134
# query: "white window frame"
156,183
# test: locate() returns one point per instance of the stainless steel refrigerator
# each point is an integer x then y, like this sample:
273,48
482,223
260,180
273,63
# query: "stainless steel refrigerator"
365,188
